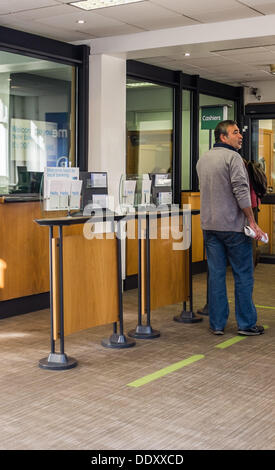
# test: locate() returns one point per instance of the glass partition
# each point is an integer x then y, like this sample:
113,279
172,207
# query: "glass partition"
149,121
37,120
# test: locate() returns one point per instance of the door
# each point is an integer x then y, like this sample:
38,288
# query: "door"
263,131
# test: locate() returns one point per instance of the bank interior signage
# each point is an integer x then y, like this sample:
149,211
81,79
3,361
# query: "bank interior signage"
212,115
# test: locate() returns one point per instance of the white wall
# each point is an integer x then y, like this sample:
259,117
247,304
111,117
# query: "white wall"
265,92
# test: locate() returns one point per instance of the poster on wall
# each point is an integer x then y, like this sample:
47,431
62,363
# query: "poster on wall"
60,156
33,143
40,144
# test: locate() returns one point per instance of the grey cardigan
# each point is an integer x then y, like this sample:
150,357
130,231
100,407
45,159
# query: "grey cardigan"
224,189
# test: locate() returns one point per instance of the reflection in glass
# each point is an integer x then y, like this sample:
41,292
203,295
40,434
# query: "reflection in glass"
149,122
37,120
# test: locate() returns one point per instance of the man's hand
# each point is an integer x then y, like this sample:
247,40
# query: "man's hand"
258,231
252,223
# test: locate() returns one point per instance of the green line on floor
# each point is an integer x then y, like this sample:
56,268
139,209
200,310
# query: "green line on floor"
264,306
165,371
259,306
236,339
230,341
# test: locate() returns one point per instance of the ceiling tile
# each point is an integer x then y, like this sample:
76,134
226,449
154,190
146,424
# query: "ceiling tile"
260,55
266,58
111,30
95,24
209,11
146,15
264,6
210,60
240,51
271,47
227,15
44,30
48,12
11,6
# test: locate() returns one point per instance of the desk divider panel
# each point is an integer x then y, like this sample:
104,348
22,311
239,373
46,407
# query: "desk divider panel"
90,283
169,270
132,248
197,236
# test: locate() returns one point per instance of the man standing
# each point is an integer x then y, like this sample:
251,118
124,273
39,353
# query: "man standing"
225,210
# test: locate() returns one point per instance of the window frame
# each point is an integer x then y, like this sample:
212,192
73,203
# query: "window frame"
32,45
196,85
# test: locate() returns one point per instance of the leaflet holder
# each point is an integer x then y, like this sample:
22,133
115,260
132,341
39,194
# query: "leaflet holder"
161,188
94,190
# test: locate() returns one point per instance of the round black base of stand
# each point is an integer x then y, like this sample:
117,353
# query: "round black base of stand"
204,310
57,361
144,332
187,317
118,342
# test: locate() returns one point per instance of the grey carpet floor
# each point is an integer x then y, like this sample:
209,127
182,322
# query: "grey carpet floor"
225,400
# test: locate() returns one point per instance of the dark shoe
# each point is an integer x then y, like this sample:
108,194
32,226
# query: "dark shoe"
254,331
216,332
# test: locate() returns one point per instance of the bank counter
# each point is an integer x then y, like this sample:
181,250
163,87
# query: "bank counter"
86,280
24,256
83,285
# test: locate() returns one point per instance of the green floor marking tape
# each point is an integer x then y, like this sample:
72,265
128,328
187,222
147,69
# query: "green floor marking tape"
234,340
264,306
165,371
259,306
229,342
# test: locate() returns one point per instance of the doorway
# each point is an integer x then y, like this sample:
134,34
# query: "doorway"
262,151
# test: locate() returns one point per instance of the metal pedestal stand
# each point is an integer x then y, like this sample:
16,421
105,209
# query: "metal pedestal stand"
118,341
188,316
144,331
57,361
204,310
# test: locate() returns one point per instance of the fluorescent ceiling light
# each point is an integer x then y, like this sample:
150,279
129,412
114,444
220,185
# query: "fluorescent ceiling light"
95,4
141,85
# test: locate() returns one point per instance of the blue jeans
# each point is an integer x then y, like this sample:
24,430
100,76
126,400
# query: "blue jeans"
235,247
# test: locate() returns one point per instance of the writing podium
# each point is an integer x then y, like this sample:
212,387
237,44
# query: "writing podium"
85,284
163,266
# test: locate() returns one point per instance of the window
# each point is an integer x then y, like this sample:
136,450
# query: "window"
149,122
37,120
206,136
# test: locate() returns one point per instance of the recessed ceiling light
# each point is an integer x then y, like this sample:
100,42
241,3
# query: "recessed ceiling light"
187,54
94,4
81,21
